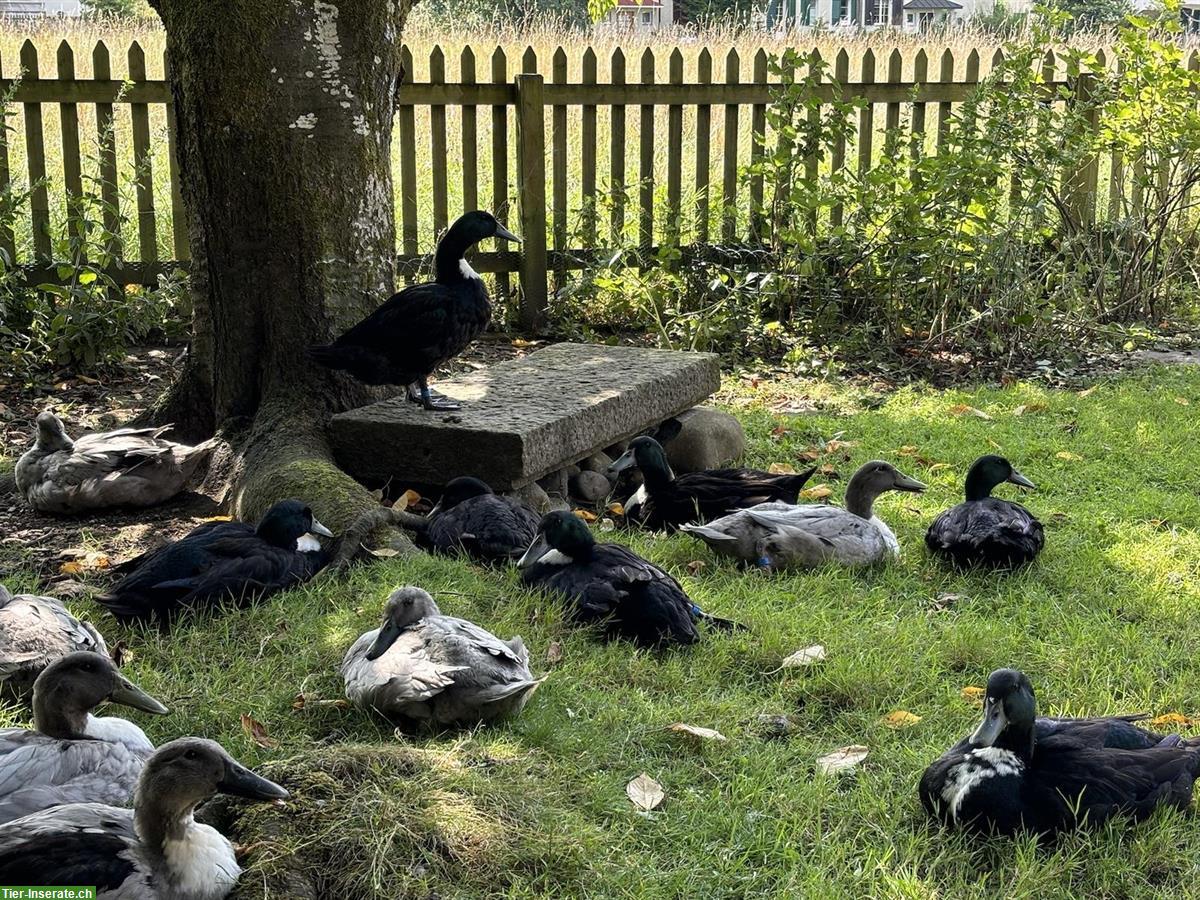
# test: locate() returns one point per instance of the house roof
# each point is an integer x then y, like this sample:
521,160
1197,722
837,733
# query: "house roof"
626,4
932,4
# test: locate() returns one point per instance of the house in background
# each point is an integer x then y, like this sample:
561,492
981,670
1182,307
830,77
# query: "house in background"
907,15
642,15
37,9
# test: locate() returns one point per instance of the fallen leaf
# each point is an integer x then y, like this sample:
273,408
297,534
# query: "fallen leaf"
810,454
828,471
645,793
841,759
781,469
1029,408
779,430
71,568
962,409
696,565
1172,720
1067,455
522,344
973,695
86,380
945,601
383,552
217,519
900,718
89,562
257,732
704,734
1183,401
588,517
68,588
607,524
835,445
554,653
120,654
303,701
806,657
405,500
1087,392
819,492
616,509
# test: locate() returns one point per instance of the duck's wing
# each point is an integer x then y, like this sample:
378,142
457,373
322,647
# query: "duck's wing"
652,606
464,643
84,843
986,531
37,772
412,323
1118,732
404,674
740,488
35,631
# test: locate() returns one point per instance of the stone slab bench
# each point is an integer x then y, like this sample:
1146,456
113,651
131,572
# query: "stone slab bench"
524,418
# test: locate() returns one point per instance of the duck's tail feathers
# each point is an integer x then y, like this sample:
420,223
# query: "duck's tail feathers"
715,621
797,482
328,355
707,534
524,688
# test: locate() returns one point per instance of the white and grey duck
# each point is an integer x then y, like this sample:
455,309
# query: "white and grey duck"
987,531
34,632
155,851
70,755
783,535
422,666
126,467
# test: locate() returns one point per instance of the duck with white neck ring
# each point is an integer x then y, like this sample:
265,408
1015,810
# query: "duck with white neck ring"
781,535
155,851
1018,771
70,755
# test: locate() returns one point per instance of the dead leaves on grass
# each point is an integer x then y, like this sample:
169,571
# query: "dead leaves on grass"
645,793
842,759
697,732
257,732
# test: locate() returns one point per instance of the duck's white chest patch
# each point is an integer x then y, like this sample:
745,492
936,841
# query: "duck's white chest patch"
467,271
556,558
978,766
117,731
201,865
307,543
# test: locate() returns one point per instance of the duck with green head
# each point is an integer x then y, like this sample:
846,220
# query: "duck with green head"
984,530
667,501
610,585
1019,771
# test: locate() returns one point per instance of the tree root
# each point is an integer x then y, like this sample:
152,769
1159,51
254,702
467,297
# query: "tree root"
352,545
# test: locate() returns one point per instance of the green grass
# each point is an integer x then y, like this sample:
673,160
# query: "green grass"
1103,623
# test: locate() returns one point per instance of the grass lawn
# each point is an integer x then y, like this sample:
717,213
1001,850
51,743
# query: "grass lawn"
1103,623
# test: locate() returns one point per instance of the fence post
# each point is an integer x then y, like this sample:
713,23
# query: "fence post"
531,191
1082,183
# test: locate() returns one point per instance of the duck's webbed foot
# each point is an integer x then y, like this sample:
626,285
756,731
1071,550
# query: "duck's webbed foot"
420,393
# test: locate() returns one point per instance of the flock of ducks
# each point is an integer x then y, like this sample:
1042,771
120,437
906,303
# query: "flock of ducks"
93,801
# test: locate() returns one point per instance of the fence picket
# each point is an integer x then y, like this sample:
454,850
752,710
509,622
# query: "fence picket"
866,117
500,205
812,162
106,134
837,159
703,155
470,136
892,112
920,75
406,132
531,191
674,149
945,108
785,148
7,239
617,151
587,151
68,117
733,66
35,151
179,232
558,151
143,167
437,145
758,134
646,161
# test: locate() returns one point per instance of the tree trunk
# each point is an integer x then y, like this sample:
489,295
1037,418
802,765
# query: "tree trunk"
284,111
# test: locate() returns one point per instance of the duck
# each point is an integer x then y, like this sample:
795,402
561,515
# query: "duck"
665,501
610,585
422,326
471,518
783,535
129,467
154,851
222,560
422,666
984,530
34,632
71,755
1017,772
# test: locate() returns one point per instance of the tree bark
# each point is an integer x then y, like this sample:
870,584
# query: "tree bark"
284,111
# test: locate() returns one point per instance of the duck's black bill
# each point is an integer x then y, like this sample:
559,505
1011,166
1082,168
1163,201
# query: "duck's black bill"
1019,479
129,694
539,548
504,234
626,460
387,636
904,483
241,782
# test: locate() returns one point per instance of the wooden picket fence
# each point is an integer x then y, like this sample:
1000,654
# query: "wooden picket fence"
557,183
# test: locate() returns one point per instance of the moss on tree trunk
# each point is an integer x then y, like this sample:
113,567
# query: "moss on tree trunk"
284,111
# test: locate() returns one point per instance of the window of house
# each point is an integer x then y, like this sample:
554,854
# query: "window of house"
646,14
883,9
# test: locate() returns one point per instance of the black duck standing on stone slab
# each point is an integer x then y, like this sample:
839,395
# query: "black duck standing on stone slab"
1018,771
471,518
985,530
665,501
422,326
612,586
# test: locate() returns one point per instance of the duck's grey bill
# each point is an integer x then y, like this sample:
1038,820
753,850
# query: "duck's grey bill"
129,694
539,548
241,782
